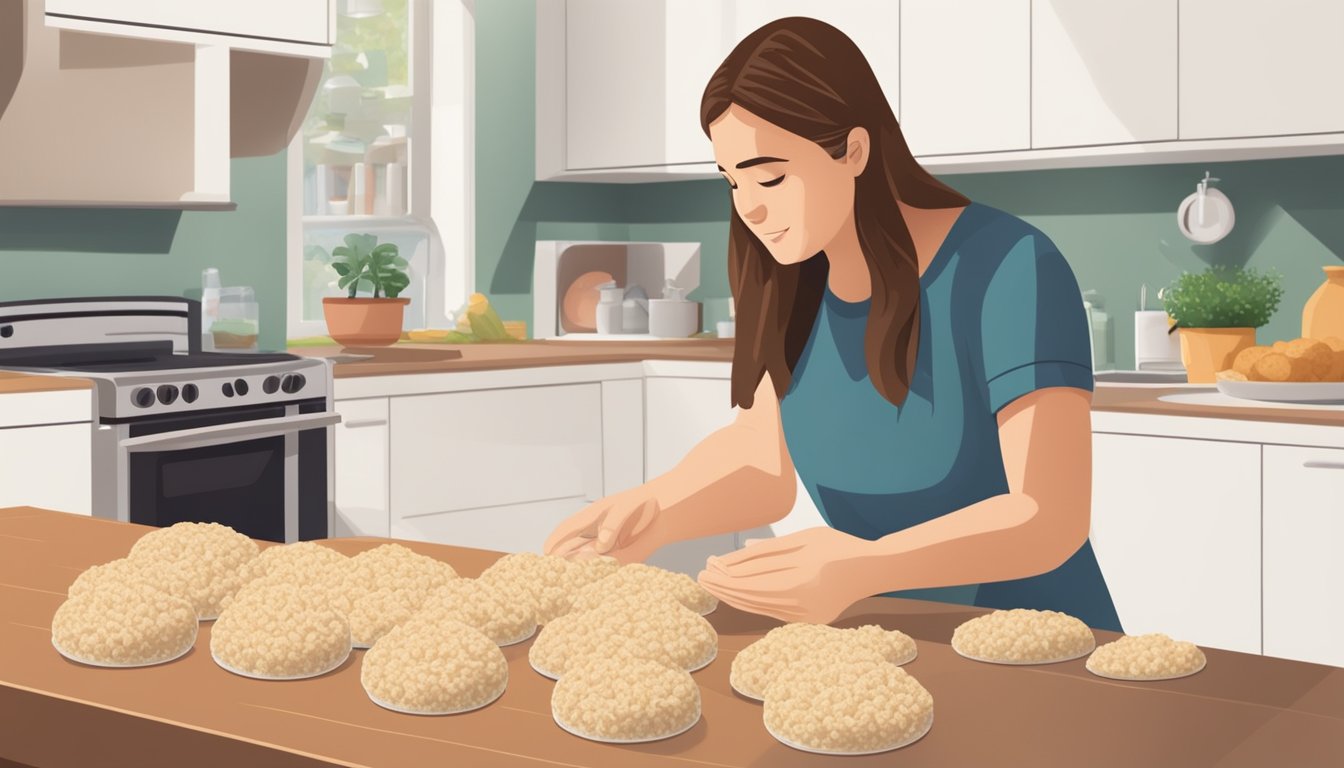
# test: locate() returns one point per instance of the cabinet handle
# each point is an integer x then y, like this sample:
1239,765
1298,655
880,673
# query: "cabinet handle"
357,423
1323,464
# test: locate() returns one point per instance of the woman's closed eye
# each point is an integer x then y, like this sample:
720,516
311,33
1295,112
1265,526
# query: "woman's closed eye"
772,182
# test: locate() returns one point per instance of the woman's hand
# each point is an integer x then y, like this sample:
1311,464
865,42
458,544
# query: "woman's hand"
617,525
811,576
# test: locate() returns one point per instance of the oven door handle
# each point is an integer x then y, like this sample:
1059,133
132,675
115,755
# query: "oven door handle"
219,434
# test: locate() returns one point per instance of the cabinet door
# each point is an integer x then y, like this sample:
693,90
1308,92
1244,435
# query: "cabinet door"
1304,573
47,467
634,74
679,413
361,468
1176,530
1250,68
873,25
304,21
1088,86
496,469
965,75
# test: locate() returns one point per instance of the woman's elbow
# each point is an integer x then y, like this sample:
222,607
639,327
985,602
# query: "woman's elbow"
1065,531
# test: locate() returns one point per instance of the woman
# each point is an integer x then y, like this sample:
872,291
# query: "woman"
921,359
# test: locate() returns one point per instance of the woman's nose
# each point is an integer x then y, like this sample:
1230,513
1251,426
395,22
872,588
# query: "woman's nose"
754,215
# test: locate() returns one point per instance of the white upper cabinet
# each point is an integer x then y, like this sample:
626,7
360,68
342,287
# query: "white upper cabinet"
965,75
1102,73
1252,68
269,25
873,25
634,73
1304,524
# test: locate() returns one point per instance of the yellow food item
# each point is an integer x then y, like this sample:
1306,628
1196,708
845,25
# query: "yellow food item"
625,700
640,624
639,577
1231,376
541,581
123,625
1023,636
427,335
208,560
1153,656
756,666
1336,346
1246,358
1315,360
279,631
434,668
847,708
385,586
482,606
1272,367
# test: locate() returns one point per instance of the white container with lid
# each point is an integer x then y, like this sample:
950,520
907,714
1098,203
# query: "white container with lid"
609,308
673,316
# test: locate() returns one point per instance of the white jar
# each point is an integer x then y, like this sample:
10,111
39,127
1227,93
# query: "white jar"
609,308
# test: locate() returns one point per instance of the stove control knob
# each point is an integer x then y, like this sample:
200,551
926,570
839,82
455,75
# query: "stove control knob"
240,386
227,388
167,394
190,393
270,385
143,397
293,382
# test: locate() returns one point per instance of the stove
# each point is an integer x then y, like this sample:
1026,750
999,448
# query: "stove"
181,434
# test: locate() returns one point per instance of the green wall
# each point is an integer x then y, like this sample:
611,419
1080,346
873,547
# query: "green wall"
1116,226
57,252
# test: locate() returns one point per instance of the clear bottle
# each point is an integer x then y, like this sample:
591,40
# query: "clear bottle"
209,305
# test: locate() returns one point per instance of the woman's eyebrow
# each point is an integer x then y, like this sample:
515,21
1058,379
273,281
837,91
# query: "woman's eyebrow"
756,161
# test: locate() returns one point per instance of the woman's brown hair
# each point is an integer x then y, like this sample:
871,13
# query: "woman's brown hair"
810,79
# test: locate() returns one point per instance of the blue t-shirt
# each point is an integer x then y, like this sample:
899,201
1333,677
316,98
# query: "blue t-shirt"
1000,316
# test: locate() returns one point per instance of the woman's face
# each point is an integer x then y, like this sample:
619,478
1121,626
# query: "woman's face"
790,193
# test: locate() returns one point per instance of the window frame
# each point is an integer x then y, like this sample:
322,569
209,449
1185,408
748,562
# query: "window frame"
442,193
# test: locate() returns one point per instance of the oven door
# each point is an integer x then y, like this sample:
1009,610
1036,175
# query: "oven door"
261,471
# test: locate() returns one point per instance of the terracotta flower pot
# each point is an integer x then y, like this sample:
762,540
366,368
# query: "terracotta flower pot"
1206,351
364,322
1323,316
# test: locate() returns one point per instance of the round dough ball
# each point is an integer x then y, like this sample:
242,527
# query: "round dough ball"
847,708
647,625
1153,656
385,586
639,577
132,625
208,560
544,581
481,606
124,573
1023,636
434,668
1272,367
278,631
1245,359
1317,359
757,665
625,700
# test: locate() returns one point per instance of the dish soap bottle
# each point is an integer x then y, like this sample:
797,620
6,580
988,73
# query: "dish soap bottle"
1099,324
209,306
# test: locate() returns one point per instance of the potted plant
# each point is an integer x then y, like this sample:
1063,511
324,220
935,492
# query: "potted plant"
373,321
1217,312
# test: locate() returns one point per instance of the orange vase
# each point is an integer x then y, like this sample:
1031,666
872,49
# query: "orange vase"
1323,316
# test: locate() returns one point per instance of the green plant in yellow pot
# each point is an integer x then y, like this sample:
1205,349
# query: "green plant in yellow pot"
1217,312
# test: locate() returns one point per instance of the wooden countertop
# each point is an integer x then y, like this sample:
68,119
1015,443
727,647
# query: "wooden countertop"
1240,710
442,358
1147,400
13,382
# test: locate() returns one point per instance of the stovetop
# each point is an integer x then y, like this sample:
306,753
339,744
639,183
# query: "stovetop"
169,362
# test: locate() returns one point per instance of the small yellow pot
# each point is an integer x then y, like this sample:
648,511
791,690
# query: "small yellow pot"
1206,351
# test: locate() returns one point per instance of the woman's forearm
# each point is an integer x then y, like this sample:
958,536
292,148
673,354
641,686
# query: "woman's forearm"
734,479
1001,538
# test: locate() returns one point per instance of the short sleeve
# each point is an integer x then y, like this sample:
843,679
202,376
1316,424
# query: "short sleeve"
1034,330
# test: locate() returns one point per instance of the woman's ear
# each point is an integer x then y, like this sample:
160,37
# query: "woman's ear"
856,150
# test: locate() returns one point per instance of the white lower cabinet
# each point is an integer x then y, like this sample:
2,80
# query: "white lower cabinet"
47,466
361,468
1176,531
678,414
1304,573
494,469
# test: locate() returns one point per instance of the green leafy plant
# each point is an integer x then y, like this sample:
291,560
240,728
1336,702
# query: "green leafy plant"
363,263
1223,297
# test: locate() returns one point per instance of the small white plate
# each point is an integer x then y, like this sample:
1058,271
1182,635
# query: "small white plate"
1029,663
1318,392
240,673
86,662
907,742
1218,217
385,705
1150,679
576,732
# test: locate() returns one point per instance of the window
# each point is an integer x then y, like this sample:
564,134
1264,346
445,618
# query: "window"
386,149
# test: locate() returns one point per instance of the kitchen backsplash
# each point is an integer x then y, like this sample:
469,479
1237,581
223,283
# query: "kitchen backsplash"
1116,226
49,252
